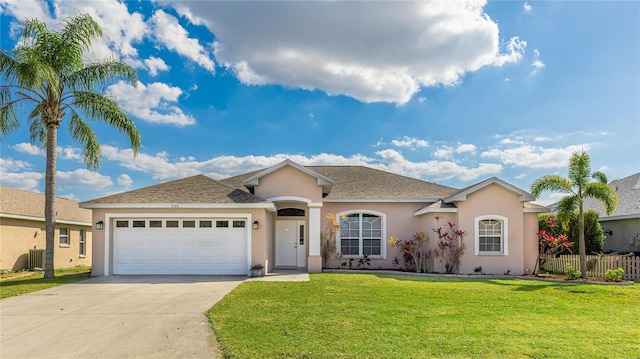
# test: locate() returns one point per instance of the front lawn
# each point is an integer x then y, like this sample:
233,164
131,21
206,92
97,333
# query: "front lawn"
12,284
402,316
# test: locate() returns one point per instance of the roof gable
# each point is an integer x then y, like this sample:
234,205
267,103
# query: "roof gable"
462,194
198,189
323,181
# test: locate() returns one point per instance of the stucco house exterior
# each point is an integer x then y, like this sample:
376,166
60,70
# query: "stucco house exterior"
622,227
274,217
22,228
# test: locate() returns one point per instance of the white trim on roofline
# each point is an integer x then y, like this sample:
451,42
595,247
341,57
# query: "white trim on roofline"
393,200
535,210
255,179
426,210
462,196
269,206
619,217
309,202
41,219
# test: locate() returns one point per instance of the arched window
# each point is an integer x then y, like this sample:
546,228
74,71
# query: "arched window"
361,233
491,235
291,212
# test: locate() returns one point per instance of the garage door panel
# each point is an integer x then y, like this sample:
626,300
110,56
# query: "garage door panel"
146,250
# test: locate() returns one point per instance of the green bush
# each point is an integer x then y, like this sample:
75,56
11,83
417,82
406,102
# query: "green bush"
614,275
572,273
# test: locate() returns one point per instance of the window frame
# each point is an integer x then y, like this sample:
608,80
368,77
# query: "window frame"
383,233
67,243
82,243
504,239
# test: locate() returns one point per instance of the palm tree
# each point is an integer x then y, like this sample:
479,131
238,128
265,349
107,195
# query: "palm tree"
578,187
46,72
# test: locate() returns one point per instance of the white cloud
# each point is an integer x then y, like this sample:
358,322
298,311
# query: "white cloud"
155,64
171,34
527,7
162,168
537,63
371,51
17,174
152,103
466,147
82,178
410,142
28,148
534,157
125,180
436,170
69,153
443,152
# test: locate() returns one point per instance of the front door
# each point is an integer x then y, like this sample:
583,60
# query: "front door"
291,244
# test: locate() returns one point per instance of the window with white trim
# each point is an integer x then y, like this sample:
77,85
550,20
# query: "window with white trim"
360,234
82,243
64,236
491,235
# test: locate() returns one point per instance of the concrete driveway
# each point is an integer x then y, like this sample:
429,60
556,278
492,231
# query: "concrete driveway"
115,317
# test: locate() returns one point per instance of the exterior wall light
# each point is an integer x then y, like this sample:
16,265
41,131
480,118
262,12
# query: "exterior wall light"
256,225
100,225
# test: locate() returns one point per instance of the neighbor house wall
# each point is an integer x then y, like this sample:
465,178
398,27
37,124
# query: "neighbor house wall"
625,237
493,200
17,236
259,249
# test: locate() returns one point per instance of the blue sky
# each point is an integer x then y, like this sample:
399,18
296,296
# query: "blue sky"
449,92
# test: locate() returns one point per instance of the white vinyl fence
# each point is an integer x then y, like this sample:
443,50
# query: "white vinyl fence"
597,265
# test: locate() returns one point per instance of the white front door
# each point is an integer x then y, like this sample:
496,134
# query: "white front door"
291,243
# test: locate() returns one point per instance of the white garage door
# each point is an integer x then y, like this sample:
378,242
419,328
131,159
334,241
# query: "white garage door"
180,246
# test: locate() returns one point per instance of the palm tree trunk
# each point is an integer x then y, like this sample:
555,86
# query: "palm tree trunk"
581,243
49,199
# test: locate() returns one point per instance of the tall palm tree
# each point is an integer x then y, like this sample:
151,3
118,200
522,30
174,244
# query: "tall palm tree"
578,187
47,73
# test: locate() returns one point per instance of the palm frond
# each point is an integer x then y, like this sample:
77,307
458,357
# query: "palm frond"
83,134
599,177
550,183
98,73
101,108
603,193
568,205
579,169
8,117
37,128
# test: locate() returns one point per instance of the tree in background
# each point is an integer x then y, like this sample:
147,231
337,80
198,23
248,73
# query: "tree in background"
578,187
593,235
47,74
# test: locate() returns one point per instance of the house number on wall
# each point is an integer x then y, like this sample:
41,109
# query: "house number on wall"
175,206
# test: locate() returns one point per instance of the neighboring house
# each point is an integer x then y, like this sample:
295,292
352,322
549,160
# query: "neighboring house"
622,227
274,217
22,228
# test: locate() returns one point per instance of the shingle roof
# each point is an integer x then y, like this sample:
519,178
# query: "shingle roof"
359,182
628,190
24,203
195,189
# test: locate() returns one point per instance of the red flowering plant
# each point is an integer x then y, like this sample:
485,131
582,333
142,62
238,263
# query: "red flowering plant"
553,241
450,246
415,255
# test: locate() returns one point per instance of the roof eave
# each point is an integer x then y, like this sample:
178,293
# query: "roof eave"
265,205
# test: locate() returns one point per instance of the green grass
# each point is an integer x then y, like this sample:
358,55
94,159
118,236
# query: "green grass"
401,316
19,285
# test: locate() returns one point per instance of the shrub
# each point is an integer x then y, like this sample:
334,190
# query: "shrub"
450,245
614,275
572,273
414,254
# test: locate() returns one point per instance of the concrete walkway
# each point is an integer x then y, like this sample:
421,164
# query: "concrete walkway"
115,317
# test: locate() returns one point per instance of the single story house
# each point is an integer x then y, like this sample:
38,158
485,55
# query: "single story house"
622,227
22,228
275,216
